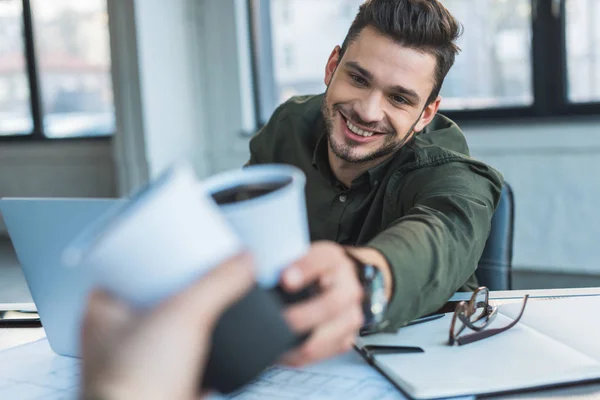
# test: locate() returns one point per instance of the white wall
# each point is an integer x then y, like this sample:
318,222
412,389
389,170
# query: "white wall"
157,69
166,39
227,83
178,86
554,169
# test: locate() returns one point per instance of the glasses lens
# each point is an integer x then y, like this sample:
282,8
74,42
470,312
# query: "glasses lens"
479,304
458,326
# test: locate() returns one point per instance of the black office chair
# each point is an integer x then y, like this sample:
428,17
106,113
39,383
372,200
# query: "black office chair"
495,265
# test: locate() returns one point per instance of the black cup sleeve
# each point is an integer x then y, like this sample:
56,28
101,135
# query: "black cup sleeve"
250,336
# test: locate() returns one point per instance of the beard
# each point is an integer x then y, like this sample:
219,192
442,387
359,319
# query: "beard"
345,150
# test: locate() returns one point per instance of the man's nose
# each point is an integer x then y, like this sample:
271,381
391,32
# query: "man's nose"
369,108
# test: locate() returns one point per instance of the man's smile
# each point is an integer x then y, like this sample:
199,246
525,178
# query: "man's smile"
357,133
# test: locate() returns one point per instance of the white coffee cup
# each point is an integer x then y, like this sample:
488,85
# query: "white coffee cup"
273,226
165,237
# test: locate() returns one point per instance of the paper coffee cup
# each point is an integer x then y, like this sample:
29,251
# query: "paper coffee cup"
271,221
160,241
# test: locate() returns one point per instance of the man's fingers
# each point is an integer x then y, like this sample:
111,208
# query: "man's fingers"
327,341
310,313
217,289
105,323
106,316
321,257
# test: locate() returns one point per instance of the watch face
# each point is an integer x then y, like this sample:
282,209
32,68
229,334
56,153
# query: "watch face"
375,301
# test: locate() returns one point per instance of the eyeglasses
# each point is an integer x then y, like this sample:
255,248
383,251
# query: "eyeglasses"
477,314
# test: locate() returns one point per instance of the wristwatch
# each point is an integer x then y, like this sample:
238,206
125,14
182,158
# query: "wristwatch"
374,299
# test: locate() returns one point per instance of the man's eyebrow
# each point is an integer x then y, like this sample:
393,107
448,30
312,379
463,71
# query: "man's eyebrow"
397,89
401,90
355,66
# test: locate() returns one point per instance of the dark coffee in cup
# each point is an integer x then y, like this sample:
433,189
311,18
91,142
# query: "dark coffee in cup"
266,206
248,191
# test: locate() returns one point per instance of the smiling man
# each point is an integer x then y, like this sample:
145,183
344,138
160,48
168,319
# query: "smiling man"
390,183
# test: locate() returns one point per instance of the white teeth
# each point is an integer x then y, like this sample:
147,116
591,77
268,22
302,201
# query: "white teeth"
357,130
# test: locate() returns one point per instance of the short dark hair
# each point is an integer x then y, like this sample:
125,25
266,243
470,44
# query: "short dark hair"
423,25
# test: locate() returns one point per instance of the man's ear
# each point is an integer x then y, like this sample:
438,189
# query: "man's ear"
428,114
332,64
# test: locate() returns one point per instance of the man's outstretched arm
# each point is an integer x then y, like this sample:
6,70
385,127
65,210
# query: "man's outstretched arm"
432,250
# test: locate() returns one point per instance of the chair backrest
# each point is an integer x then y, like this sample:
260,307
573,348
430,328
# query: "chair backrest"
495,264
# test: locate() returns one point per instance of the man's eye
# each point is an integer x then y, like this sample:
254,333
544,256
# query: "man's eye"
398,99
359,80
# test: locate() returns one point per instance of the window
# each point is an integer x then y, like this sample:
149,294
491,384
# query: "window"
493,68
316,28
55,70
519,58
583,50
15,104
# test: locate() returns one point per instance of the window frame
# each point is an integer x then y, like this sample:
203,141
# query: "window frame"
548,66
37,112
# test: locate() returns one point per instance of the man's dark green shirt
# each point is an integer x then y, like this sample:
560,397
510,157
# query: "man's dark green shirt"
427,209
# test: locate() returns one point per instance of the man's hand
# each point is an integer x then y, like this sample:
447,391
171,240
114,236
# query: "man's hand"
334,317
159,354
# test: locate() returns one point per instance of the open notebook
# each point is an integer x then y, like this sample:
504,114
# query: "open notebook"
556,342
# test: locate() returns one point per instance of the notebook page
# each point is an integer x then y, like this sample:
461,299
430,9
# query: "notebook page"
573,321
520,357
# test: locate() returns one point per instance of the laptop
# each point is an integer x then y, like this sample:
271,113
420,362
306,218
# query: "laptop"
40,228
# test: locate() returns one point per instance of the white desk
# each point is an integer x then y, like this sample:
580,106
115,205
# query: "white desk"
533,293
12,337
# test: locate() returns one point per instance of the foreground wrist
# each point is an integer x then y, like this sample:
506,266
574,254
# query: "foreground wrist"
374,304
374,257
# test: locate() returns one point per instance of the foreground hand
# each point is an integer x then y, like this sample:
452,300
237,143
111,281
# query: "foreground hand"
161,353
334,316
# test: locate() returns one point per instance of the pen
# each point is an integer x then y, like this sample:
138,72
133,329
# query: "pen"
427,318
374,331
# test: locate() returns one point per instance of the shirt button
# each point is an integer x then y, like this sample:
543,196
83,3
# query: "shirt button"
343,198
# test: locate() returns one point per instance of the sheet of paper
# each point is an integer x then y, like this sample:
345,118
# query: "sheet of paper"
345,377
33,371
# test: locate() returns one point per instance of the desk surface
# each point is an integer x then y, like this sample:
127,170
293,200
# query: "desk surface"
533,293
12,337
